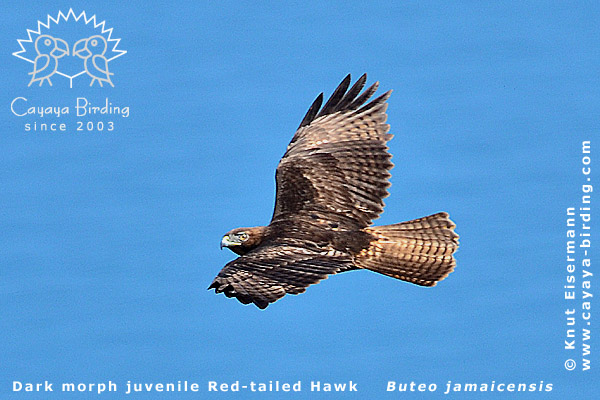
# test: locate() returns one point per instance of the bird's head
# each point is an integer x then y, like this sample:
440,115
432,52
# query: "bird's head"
242,240
80,49
46,44
94,45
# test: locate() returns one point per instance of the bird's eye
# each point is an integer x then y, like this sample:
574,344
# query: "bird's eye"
244,237
47,42
94,42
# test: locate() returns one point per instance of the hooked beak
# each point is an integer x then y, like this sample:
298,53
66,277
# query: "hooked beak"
80,49
226,242
61,49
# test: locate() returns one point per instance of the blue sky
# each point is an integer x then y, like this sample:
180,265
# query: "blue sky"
111,238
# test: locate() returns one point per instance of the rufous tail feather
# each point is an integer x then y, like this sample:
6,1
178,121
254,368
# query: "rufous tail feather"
418,251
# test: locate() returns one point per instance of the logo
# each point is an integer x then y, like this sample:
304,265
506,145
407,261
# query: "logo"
70,46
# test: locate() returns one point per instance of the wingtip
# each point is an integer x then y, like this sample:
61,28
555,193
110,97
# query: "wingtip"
382,99
261,305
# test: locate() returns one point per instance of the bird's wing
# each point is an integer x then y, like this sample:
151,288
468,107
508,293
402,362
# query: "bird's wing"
336,167
100,63
40,63
268,273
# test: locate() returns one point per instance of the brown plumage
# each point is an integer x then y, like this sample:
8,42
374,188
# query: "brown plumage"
330,186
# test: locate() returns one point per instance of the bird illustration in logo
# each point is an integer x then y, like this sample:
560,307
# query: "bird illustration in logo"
92,50
49,50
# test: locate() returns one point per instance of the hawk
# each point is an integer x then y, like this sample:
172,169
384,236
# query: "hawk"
331,183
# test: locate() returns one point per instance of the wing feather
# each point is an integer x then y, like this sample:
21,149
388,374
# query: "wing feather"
312,111
101,64
335,100
350,96
266,274
40,64
337,165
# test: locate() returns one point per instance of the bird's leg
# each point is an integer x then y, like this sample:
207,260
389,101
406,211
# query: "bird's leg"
49,81
41,81
100,82
92,82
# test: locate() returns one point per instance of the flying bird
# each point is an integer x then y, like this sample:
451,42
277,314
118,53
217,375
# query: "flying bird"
92,50
49,50
331,183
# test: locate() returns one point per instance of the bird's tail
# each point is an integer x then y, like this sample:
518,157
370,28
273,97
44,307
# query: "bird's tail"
418,251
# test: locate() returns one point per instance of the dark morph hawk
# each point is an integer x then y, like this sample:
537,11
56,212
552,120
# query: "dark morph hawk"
330,186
